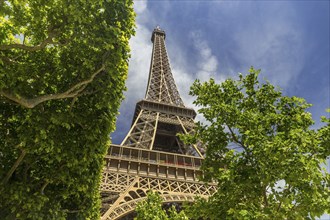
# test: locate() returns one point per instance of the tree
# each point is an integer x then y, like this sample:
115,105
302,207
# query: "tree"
261,151
151,209
63,70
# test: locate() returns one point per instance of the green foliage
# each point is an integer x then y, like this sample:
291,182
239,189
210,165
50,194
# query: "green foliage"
261,151
324,134
151,209
63,66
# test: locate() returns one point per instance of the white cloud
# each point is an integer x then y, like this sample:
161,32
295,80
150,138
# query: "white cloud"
139,63
274,44
207,64
206,67
140,6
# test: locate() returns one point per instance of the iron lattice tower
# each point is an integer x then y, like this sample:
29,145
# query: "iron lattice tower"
152,157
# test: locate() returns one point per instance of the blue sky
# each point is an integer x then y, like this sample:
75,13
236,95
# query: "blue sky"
287,40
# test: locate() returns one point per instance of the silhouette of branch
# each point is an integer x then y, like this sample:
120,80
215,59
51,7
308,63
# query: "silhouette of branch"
14,167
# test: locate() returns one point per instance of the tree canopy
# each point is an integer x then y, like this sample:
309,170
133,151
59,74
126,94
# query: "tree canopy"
63,66
261,150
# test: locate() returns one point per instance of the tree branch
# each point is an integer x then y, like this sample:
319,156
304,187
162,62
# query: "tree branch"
24,39
48,40
279,206
285,193
70,93
71,211
7,60
28,48
43,187
14,167
265,196
235,138
81,94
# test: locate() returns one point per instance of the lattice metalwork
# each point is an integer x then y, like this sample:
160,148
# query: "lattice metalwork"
152,157
161,85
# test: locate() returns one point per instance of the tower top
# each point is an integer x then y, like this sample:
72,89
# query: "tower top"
161,86
157,31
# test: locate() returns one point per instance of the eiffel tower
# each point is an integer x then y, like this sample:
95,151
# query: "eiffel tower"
151,156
